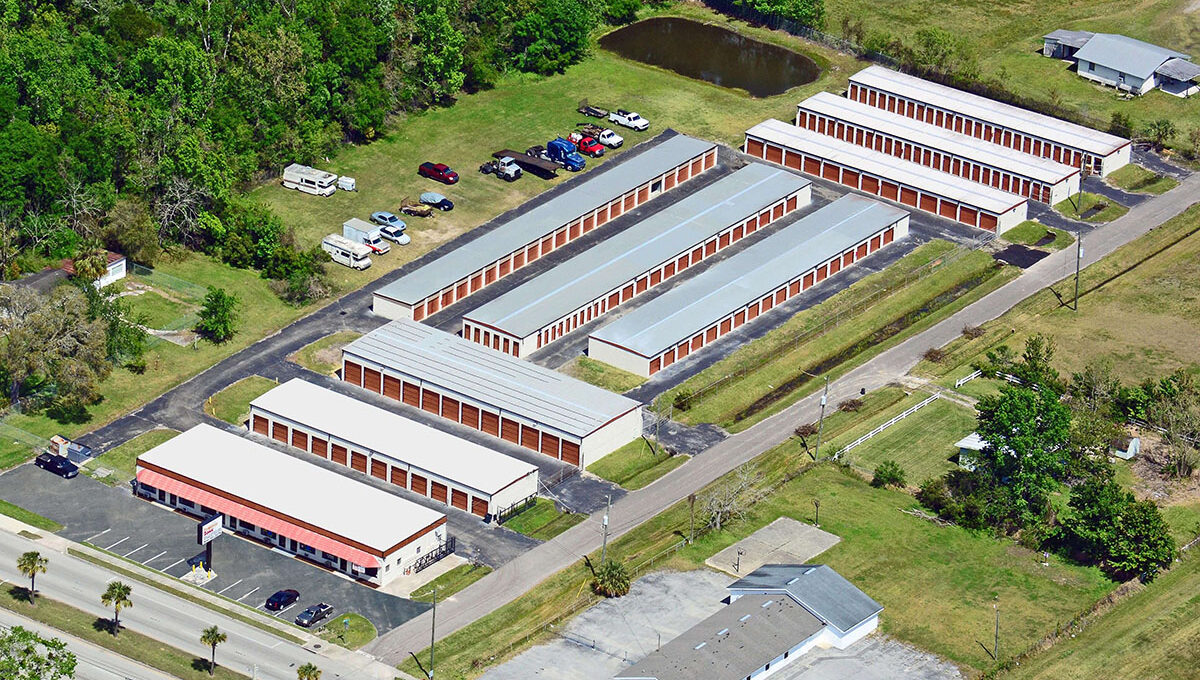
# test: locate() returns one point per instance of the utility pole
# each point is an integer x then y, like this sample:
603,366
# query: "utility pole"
1078,264
817,512
821,420
996,644
604,546
432,633
692,530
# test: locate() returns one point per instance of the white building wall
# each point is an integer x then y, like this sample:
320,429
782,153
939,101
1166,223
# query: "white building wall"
615,356
1114,78
611,437
844,640
390,309
1116,160
1012,218
524,488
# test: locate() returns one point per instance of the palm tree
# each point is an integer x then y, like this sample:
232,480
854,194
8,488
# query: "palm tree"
117,597
212,636
612,580
308,672
30,564
92,262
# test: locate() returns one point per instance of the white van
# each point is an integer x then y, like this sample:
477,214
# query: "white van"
347,252
309,180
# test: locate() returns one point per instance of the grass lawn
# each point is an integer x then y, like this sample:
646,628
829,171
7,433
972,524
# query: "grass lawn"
122,459
232,404
542,520
174,662
451,582
360,632
922,443
1078,205
1146,284
1030,232
601,374
635,465
325,355
160,312
1150,635
1184,520
28,517
1136,178
771,366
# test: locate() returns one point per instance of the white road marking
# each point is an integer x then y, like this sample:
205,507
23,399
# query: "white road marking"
136,549
281,611
176,562
229,586
89,538
117,543
155,557
247,594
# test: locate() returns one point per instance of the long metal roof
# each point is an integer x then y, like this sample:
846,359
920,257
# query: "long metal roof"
821,590
745,277
659,238
392,435
1068,37
933,137
287,485
492,377
1126,55
889,167
585,194
981,108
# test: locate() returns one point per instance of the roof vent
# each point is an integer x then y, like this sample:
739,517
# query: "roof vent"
700,645
793,580
744,618
723,631
768,603
809,570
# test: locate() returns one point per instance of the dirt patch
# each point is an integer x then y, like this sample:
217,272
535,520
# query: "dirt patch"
1151,480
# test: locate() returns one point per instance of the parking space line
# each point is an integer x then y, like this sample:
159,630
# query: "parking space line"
136,549
281,611
89,538
229,586
176,562
155,557
247,594
117,543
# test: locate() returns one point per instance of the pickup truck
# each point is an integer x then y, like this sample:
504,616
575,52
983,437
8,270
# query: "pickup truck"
589,110
603,135
560,151
629,119
586,144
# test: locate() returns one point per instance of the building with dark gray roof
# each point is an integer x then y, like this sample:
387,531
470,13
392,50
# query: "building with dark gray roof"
776,613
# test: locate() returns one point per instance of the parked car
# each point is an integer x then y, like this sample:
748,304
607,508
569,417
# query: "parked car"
629,119
314,614
437,200
386,219
603,135
59,465
395,234
439,171
282,599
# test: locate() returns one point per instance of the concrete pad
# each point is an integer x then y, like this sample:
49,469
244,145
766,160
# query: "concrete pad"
784,541
877,657
403,586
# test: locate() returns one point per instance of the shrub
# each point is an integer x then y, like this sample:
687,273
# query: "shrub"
972,332
850,406
218,317
683,399
806,430
612,580
888,473
935,354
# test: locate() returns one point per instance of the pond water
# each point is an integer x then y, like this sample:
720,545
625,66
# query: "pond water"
712,53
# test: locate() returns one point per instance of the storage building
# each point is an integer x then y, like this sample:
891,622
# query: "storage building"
1134,66
618,269
502,396
590,202
286,503
990,120
389,447
1033,177
735,291
892,178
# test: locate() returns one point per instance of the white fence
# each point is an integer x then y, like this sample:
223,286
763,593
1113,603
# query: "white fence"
908,412
1007,376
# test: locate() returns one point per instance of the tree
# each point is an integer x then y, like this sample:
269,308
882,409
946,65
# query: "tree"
888,473
1120,124
1194,141
117,597
212,636
439,48
1124,536
25,655
91,263
308,672
125,332
552,36
1160,132
733,497
30,564
218,317
612,579
619,12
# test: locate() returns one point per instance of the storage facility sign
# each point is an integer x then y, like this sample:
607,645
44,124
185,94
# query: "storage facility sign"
209,529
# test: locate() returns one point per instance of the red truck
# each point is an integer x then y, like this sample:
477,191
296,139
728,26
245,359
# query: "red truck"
586,145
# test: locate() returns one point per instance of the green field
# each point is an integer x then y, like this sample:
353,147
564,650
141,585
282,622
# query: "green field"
360,631
922,443
543,520
635,465
451,582
29,517
1151,635
602,375
1030,232
158,310
1078,205
232,404
1136,178
122,460
325,355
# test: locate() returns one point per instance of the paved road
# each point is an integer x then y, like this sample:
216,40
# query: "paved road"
524,573
177,622
93,662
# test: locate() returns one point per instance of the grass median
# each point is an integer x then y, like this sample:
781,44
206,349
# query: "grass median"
232,404
451,582
1031,233
349,630
1136,178
121,461
636,464
1090,208
29,517
602,375
543,520
325,355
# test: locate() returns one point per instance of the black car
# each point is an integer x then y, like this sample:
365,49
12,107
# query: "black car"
59,465
313,614
282,599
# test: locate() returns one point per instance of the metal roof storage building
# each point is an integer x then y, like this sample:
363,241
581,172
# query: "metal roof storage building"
968,157
500,395
287,503
886,176
392,448
643,256
1006,125
738,290
587,204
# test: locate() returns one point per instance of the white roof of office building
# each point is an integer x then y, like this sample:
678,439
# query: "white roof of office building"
659,238
582,196
393,435
292,487
745,277
491,377
933,137
888,167
990,110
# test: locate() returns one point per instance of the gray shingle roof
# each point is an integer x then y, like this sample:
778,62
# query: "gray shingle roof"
819,588
1179,69
491,377
1125,54
1071,38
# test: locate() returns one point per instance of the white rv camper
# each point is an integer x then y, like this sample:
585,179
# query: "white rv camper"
347,252
309,180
